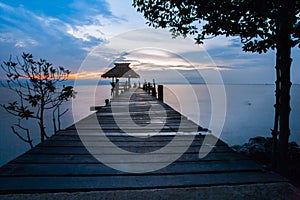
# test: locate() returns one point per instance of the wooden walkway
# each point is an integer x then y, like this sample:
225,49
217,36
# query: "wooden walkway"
64,164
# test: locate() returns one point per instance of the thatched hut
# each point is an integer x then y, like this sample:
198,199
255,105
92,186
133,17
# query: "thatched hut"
121,70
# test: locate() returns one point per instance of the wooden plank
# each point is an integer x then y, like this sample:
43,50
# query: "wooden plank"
133,149
114,150
174,116
153,139
136,113
140,128
88,158
138,125
118,130
158,137
140,144
67,183
129,143
96,169
124,121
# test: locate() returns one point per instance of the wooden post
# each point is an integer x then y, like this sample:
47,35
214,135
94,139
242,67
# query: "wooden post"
145,86
154,89
117,88
160,91
129,83
149,87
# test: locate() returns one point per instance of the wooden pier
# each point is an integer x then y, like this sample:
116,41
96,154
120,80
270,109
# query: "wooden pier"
64,165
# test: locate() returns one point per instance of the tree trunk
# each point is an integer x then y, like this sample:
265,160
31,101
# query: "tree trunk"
275,131
285,109
41,123
284,61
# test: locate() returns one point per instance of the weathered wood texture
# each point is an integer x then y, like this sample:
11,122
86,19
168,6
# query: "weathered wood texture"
63,163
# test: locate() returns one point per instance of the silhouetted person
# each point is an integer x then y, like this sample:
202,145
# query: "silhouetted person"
145,85
112,88
117,87
126,86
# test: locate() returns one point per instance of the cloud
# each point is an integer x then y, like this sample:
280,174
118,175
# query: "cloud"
97,33
154,47
86,33
235,42
63,31
56,33
221,68
152,54
44,32
217,42
23,26
89,8
117,18
5,7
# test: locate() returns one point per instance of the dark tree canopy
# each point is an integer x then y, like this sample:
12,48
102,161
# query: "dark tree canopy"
256,22
260,24
36,84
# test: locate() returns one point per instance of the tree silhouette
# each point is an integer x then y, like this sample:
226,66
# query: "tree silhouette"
261,25
36,85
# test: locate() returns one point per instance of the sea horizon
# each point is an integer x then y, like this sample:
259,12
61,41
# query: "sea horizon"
93,82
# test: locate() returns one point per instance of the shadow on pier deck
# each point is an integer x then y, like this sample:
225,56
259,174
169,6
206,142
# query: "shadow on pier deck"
64,167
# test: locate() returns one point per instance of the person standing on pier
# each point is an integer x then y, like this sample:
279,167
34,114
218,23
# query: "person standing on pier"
112,88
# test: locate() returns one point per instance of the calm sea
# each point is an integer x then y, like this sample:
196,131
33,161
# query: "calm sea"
249,112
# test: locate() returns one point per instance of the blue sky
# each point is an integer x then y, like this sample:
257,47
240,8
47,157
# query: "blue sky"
86,36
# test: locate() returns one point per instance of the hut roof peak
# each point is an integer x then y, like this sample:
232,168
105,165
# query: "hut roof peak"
122,63
121,70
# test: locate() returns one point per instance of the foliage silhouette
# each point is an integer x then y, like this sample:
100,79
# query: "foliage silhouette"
36,85
261,25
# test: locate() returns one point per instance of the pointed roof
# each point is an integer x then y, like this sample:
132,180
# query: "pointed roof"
121,70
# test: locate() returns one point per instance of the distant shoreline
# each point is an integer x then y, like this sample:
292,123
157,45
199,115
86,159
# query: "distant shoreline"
89,82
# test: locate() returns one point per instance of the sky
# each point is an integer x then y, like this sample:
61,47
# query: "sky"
88,36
